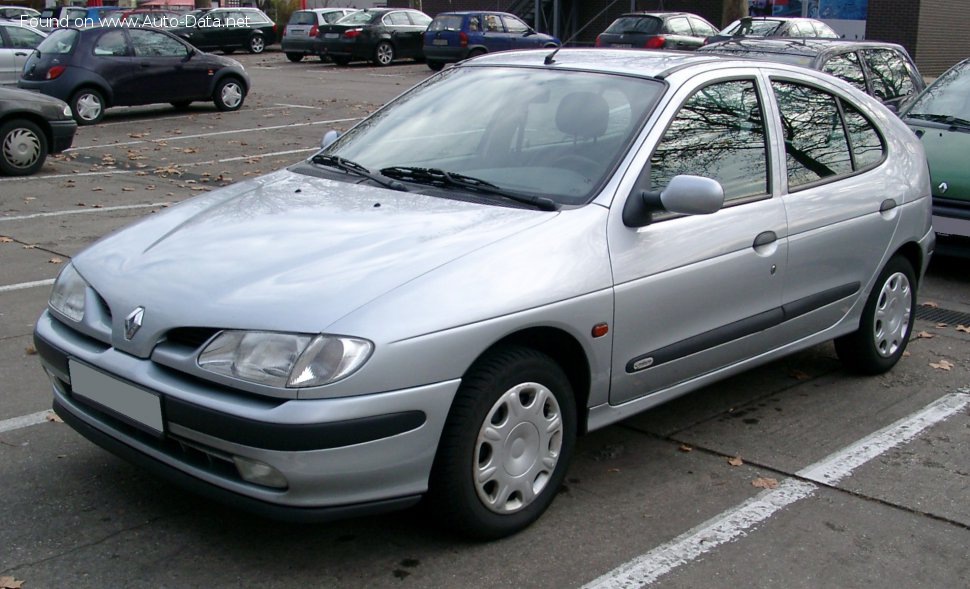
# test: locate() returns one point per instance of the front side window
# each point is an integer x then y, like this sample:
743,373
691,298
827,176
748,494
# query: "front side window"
152,44
112,43
21,38
419,19
493,24
890,76
515,25
718,133
847,67
816,146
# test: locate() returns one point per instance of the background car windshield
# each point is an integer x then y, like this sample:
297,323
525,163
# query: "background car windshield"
949,96
548,133
635,24
60,42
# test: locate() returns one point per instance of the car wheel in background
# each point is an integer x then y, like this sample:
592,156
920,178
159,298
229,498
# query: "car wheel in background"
182,104
229,94
257,44
886,324
436,66
505,446
23,147
87,105
294,57
383,53
341,60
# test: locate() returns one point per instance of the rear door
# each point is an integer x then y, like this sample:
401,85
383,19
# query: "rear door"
679,35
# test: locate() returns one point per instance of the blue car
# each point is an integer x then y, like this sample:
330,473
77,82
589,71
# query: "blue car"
454,36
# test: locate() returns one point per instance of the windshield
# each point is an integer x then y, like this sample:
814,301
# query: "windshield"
949,96
60,42
543,133
635,24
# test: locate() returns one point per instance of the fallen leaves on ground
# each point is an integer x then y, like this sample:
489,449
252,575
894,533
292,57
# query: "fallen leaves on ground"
764,483
30,246
55,261
53,417
686,448
736,461
10,583
963,328
30,351
925,335
931,305
800,375
5,239
942,365
942,325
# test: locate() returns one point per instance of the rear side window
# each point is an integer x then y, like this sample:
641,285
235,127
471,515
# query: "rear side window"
890,75
446,22
332,17
635,24
147,43
397,19
112,43
718,133
866,144
701,28
21,38
60,42
847,67
421,20
679,26
816,146
514,25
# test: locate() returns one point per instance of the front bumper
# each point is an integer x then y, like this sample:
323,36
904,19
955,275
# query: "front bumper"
368,453
951,221
62,135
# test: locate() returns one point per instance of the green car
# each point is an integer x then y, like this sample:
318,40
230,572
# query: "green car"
940,116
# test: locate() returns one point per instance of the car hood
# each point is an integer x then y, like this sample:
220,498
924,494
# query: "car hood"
16,96
285,252
946,152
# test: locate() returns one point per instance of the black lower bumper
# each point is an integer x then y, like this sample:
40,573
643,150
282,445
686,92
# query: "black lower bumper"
62,135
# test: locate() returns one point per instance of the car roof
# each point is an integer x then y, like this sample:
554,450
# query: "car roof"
467,12
807,46
659,14
654,64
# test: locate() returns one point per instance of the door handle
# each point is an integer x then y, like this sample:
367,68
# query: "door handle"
764,238
887,205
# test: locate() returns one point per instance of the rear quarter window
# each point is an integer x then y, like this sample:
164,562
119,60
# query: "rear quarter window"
60,42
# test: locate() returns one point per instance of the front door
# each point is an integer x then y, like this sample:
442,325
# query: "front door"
165,71
693,293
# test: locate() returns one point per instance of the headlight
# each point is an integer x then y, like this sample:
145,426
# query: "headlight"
67,297
67,111
284,359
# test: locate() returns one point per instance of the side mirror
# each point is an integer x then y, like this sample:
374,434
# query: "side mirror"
528,33
329,137
687,195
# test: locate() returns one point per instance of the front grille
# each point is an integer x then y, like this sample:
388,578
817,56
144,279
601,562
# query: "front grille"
192,337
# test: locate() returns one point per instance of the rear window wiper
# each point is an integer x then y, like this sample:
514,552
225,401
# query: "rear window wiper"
945,119
437,177
351,167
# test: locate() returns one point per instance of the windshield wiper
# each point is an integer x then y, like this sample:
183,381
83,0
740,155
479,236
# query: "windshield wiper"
437,177
351,167
945,119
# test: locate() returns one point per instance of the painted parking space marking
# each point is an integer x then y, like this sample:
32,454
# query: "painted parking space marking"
735,523
9,425
90,211
24,285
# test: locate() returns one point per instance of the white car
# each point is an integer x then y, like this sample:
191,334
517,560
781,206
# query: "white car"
17,42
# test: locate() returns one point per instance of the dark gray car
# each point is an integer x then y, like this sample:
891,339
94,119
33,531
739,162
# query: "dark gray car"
656,30
32,126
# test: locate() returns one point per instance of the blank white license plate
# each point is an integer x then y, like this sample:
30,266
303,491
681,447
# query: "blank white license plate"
137,406
439,41
622,45
296,32
331,35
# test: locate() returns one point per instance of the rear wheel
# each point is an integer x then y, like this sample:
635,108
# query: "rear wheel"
229,94
257,44
475,53
23,147
383,54
436,66
340,60
88,106
294,57
886,324
505,446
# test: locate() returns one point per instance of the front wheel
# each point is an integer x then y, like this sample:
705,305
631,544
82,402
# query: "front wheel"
23,147
436,66
506,444
257,44
383,53
887,321
340,60
229,94
294,57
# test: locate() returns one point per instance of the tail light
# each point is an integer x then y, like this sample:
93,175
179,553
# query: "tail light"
599,43
314,30
285,29
656,42
352,33
54,72
274,28
463,38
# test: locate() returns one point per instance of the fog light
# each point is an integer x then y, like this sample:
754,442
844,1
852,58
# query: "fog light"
259,473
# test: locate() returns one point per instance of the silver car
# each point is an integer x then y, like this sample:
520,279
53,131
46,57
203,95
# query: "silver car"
17,42
523,248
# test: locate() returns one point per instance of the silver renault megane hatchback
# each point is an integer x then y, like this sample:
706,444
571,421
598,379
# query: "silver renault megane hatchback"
519,250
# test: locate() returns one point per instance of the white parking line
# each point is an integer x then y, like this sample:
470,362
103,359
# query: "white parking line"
192,114
8,425
734,523
23,285
82,211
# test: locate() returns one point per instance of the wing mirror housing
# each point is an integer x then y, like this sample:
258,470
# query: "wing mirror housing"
686,195
329,137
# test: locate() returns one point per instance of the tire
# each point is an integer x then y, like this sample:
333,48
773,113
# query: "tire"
181,104
475,53
341,61
229,94
87,106
23,147
383,54
229,51
886,324
506,444
294,57
257,44
436,66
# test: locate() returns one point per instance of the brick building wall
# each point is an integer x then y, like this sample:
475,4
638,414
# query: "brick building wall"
942,38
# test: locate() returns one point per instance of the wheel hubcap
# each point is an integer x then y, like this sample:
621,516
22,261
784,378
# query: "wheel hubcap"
257,44
518,447
385,54
88,107
231,95
891,326
21,148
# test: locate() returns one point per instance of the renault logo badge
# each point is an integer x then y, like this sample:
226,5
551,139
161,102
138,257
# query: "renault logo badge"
943,187
133,322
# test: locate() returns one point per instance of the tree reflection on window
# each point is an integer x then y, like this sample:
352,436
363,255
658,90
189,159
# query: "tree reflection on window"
718,133
847,67
815,142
